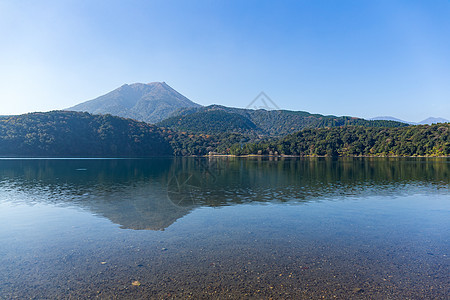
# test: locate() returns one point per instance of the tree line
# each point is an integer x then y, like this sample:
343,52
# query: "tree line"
75,134
419,140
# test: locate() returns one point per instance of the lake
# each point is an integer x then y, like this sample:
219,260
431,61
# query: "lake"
256,228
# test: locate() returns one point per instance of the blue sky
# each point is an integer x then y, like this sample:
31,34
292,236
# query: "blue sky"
358,58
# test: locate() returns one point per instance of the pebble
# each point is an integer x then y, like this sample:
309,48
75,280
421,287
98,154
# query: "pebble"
136,283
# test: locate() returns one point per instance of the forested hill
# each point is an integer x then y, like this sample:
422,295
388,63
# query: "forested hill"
216,118
76,134
419,140
211,122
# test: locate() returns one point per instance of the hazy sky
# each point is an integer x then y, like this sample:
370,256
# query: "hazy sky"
359,58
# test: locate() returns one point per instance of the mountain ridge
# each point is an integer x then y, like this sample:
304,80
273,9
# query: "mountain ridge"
261,122
433,120
158,103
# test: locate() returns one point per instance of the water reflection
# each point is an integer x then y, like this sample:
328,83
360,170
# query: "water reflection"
228,181
154,193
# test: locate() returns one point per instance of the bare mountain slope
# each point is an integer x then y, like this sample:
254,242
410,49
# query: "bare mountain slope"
150,102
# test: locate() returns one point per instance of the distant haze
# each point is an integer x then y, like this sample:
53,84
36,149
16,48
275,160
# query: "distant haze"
429,121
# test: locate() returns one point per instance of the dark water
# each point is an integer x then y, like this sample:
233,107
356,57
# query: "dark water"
225,228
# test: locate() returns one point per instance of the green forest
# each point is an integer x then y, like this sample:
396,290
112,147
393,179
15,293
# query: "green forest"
76,134
273,123
419,140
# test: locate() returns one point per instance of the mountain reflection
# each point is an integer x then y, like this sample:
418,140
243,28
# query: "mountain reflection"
153,193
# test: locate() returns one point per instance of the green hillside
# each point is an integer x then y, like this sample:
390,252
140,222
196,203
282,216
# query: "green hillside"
216,118
75,134
212,121
419,140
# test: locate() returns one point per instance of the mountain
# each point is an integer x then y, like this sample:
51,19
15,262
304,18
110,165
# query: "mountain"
428,121
150,102
77,134
217,118
432,120
389,118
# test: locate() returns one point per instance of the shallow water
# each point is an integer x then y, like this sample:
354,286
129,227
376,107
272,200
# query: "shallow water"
361,228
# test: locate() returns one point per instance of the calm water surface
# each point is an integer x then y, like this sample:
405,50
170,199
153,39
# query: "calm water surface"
225,228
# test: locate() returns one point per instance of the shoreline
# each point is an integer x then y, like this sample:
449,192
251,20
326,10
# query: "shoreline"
221,155
318,156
